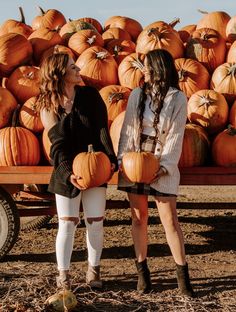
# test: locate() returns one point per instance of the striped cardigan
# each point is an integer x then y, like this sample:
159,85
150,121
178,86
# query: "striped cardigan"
171,131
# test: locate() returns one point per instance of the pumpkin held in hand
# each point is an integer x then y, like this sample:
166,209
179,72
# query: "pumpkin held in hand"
92,168
140,167
62,301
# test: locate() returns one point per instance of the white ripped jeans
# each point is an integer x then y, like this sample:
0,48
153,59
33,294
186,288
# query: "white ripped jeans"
94,203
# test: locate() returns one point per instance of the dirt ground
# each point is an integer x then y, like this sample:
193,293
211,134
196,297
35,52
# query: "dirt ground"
27,274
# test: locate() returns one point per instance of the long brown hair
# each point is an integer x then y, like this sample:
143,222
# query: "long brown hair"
52,86
163,75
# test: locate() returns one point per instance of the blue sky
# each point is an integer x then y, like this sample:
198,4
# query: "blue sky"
144,11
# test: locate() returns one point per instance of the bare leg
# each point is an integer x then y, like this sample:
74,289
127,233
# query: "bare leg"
168,215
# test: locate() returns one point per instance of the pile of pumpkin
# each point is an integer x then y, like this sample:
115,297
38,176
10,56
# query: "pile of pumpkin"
111,57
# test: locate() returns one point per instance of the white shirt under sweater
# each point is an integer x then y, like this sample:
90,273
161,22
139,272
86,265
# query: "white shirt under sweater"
171,128
148,119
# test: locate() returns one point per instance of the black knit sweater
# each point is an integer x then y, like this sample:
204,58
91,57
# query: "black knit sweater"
85,124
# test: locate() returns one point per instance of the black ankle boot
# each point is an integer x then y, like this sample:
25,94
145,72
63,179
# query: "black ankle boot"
183,280
144,281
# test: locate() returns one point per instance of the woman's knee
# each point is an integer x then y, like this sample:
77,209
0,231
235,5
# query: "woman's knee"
90,220
74,220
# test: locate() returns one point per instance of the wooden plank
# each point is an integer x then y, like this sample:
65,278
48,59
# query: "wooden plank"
189,176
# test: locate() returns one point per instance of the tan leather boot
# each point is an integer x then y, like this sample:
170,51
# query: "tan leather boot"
63,280
93,277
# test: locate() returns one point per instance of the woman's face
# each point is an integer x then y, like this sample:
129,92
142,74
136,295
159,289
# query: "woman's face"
146,71
72,75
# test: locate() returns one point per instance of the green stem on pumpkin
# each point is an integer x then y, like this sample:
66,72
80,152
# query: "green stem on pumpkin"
15,116
231,130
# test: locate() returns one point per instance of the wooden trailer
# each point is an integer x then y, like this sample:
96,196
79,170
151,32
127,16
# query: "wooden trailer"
19,199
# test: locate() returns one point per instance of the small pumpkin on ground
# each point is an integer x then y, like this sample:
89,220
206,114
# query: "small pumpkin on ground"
62,301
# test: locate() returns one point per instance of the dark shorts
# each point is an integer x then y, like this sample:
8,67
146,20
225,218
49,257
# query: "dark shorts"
148,144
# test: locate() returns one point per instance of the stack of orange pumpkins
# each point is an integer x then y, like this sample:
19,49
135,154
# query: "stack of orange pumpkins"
205,57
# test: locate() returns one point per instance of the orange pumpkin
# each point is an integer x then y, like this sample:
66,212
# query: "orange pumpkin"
51,19
223,80
115,130
193,76
72,27
8,104
208,47
115,33
46,145
43,39
231,29
186,31
92,168
120,48
208,109
231,55
93,22
160,38
98,67
216,20
29,116
132,26
115,98
15,50
84,39
224,148
130,71
57,49
18,145
196,145
232,115
24,82
140,167
17,27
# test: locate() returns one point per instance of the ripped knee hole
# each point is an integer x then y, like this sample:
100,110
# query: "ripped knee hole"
94,219
73,219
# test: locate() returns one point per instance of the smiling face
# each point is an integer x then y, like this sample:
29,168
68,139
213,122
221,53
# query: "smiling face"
72,75
147,71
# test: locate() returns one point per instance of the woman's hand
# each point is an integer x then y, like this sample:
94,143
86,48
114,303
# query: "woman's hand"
160,173
113,166
74,180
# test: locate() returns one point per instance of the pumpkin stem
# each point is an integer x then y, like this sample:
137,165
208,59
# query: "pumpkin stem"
115,96
102,55
174,22
22,15
117,49
42,12
206,101
137,64
231,130
182,74
203,12
91,39
90,148
30,75
232,69
15,116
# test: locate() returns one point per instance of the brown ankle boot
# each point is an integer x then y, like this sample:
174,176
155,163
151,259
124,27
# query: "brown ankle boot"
183,280
93,277
144,282
63,280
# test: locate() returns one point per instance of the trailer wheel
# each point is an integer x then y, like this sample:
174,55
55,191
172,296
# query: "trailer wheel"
9,223
37,222
34,223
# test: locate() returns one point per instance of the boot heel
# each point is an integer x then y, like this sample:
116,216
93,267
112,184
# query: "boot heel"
183,280
144,281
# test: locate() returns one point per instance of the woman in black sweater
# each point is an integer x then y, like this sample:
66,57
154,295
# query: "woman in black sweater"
74,116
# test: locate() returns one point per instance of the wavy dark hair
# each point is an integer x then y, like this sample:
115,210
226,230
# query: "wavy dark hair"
163,75
52,85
